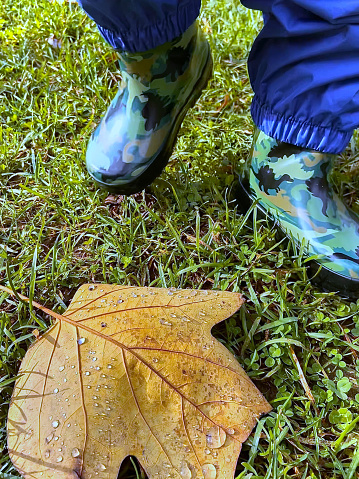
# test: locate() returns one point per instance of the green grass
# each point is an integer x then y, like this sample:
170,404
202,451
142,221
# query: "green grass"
57,232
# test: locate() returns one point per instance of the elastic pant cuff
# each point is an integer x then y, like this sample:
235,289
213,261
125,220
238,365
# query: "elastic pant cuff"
147,37
299,133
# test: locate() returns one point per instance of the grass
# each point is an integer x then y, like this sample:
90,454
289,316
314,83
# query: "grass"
57,232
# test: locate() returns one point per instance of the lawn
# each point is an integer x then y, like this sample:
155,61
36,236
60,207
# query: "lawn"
57,231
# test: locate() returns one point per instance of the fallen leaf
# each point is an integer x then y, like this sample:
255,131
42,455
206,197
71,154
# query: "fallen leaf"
133,371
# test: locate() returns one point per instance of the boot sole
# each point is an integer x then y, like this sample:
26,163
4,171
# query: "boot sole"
320,276
155,168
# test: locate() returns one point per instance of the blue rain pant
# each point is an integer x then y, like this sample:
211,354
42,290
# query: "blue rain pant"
304,64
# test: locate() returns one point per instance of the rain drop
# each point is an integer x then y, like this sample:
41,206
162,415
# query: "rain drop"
61,368
87,373
165,323
102,467
185,471
215,437
120,301
59,459
55,424
209,471
75,452
230,431
92,287
155,360
56,390
49,438
103,325
109,366
81,341
47,454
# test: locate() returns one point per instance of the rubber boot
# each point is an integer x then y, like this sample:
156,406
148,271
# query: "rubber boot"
292,186
135,138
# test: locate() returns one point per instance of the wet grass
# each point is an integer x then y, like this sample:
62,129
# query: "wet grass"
57,232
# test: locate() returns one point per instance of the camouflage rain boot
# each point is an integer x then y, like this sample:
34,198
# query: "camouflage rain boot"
291,185
135,138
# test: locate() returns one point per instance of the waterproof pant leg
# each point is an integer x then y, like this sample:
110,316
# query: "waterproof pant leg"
140,25
304,69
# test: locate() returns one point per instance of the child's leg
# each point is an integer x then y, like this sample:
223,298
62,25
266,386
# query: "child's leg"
165,63
304,70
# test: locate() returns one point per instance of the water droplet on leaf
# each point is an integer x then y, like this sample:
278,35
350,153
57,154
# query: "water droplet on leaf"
185,471
81,341
209,471
75,452
165,323
55,424
215,437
